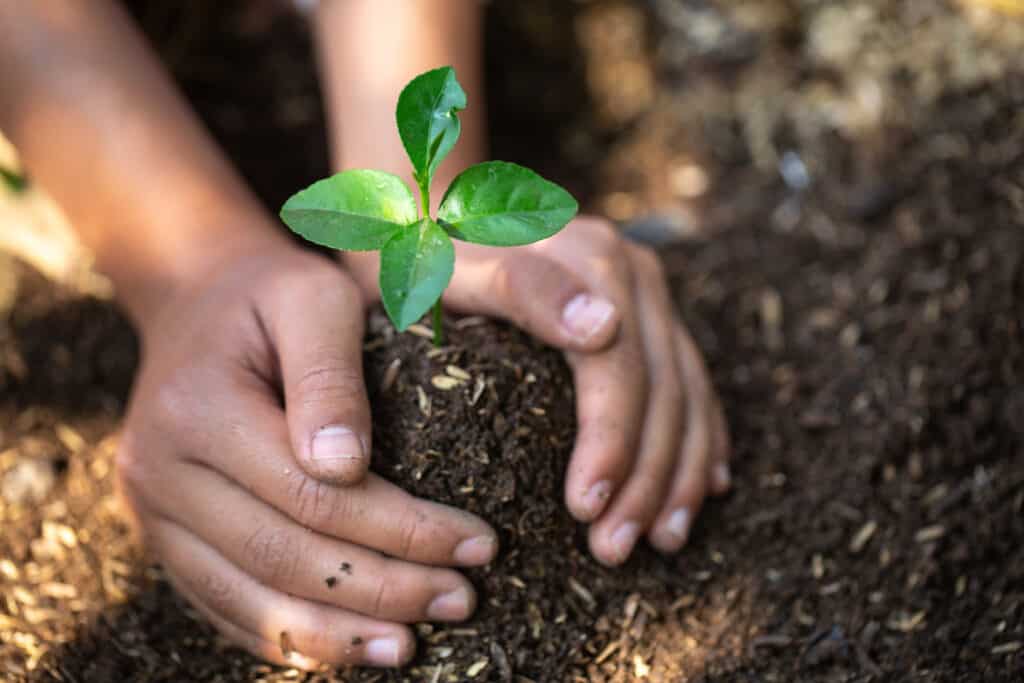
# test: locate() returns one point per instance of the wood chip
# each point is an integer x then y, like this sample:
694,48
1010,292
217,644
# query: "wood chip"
24,596
640,668
682,602
904,622
930,533
391,374
423,400
9,569
71,439
476,667
1007,648
478,390
458,373
470,321
583,593
444,382
286,645
58,591
861,538
608,651
420,331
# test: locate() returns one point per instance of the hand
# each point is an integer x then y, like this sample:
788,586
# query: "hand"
248,415
652,441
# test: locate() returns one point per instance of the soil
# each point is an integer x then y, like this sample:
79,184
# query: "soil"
839,190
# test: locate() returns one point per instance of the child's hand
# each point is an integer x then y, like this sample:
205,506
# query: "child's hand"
263,357
652,441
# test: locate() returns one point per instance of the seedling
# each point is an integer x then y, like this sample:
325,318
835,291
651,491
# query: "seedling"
495,203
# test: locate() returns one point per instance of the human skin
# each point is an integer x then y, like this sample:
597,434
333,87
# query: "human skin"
648,451
218,458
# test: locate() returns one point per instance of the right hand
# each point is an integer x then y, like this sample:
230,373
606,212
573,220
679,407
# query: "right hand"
279,550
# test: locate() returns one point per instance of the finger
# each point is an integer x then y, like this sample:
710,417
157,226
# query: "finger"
374,513
535,293
614,535
693,475
273,549
264,649
316,632
315,321
611,397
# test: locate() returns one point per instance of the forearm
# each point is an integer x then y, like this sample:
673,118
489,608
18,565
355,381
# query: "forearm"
362,76
99,124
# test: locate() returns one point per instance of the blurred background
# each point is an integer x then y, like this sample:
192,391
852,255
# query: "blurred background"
837,190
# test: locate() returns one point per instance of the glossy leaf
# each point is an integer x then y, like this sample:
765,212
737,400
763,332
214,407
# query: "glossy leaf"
415,267
355,210
503,205
426,119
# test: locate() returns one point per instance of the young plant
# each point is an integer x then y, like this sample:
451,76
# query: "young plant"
495,203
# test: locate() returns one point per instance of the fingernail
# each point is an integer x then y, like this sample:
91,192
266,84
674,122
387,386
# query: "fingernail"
723,478
382,652
476,550
624,539
452,606
584,315
678,524
336,443
596,498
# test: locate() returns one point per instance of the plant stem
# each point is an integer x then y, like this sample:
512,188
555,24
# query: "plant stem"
425,213
424,199
438,329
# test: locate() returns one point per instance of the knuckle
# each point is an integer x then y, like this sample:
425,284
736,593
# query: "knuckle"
219,593
273,555
331,380
383,598
314,503
410,532
647,260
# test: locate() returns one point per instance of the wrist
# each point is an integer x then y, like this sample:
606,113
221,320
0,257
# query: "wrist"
152,278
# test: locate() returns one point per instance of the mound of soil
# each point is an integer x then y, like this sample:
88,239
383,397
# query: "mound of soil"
487,424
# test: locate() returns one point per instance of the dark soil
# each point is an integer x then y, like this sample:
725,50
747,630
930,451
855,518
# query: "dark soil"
863,315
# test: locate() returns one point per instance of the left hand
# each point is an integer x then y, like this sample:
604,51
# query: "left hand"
652,441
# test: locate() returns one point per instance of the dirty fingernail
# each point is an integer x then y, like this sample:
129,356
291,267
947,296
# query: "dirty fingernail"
723,478
595,499
678,525
476,550
382,652
451,606
336,443
624,539
585,315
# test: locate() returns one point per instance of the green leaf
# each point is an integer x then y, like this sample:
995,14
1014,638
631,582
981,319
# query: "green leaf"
504,205
356,210
415,267
426,119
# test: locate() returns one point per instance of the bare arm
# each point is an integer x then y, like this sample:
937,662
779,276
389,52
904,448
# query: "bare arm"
99,124
214,286
362,76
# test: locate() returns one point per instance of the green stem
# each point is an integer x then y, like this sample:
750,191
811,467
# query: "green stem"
425,213
424,199
438,329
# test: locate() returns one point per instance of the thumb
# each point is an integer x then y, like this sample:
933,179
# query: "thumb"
536,293
320,353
